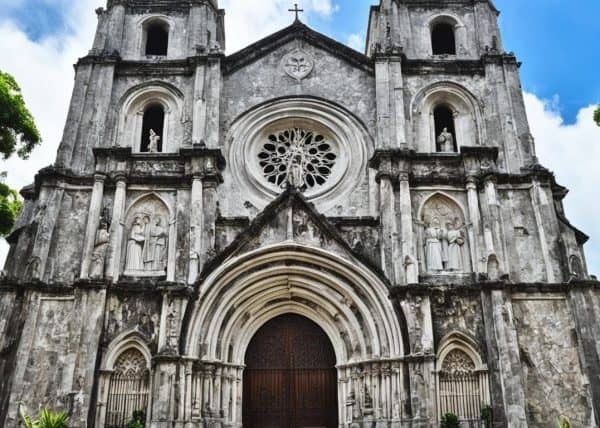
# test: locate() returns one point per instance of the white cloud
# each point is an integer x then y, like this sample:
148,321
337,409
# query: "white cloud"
356,41
44,71
572,152
248,21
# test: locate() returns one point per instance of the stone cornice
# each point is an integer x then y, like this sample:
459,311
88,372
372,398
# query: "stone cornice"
162,5
476,288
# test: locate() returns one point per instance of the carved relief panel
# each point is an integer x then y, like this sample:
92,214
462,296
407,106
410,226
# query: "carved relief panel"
146,238
443,236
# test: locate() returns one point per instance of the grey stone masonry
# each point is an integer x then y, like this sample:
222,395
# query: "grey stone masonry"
393,197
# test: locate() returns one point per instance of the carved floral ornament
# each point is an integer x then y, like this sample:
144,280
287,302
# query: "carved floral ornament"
298,64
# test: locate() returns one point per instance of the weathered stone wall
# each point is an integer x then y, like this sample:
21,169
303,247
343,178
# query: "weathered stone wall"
555,384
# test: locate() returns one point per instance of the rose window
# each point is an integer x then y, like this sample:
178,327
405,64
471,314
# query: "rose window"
297,155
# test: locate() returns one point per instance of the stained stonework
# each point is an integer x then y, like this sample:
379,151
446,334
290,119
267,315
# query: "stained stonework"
298,176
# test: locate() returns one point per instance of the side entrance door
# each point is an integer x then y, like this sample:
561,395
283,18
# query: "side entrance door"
290,378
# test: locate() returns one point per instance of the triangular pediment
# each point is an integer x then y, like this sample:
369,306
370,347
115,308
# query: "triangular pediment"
291,218
296,31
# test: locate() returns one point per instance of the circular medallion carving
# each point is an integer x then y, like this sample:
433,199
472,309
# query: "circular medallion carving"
298,64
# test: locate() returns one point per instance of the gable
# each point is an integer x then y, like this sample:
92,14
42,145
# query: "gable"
258,75
291,218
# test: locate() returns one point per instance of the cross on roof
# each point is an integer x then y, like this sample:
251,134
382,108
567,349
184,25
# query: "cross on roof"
296,10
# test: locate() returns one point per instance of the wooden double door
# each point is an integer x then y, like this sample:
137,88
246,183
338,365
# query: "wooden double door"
290,379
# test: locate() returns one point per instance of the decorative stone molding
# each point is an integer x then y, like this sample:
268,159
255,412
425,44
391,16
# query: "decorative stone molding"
256,287
346,139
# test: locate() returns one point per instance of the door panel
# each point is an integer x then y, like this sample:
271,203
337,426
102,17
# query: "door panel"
290,379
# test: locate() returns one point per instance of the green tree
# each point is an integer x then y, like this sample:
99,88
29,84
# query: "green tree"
597,116
18,134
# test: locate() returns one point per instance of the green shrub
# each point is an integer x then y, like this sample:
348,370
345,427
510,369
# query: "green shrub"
47,419
563,422
138,420
487,416
450,420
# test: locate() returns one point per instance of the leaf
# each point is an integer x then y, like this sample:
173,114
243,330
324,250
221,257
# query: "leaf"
18,132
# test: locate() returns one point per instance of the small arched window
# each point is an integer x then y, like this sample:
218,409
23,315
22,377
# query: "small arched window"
157,39
128,389
443,40
463,387
153,129
445,129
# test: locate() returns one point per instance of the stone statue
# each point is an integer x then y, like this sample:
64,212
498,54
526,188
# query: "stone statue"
446,141
456,241
156,245
434,252
99,253
135,246
153,144
295,175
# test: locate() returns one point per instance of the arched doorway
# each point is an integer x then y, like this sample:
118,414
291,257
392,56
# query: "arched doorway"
290,378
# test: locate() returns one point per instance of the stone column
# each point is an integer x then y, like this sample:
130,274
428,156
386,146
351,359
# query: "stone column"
92,224
540,203
409,256
116,229
504,360
494,241
387,209
474,228
196,226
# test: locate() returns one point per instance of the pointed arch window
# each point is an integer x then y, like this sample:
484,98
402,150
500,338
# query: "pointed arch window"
157,39
443,39
463,384
128,392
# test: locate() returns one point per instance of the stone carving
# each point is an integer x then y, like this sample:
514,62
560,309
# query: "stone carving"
131,363
99,252
153,143
147,239
456,241
298,158
298,64
434,252
444,238
457,361
146,246
446,141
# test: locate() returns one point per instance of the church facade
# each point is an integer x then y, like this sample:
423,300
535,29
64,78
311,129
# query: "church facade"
298,234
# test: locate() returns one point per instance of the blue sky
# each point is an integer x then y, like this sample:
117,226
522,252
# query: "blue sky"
555,39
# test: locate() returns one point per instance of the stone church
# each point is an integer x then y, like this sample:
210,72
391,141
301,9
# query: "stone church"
298,234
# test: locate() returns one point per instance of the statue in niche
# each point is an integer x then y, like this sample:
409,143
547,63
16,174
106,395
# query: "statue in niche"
153,143
100,248
147,246
135,245
155,251
456,241
435,235
446,141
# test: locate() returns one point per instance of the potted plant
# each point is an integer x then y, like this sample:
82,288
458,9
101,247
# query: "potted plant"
47,419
